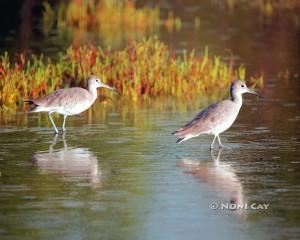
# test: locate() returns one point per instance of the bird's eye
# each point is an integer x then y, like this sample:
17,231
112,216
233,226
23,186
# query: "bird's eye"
243,85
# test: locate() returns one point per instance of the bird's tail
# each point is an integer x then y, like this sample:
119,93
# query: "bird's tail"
180,140
33,106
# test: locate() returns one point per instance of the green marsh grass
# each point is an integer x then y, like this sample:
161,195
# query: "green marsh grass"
144,69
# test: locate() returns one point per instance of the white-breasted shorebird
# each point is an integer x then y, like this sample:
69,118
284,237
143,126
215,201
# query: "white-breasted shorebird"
216,118
69,101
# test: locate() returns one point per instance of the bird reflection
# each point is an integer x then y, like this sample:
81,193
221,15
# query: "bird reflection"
220,176
73,164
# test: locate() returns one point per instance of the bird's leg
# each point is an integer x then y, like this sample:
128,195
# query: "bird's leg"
214,158
64,141
53,124
64,123
53,143
212,144
219,140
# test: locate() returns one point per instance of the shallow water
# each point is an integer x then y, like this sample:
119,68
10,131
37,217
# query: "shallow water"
117,172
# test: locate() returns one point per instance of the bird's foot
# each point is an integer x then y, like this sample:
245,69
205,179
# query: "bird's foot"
63,129
221,146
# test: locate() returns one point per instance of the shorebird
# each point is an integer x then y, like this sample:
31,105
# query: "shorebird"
217,117
69,101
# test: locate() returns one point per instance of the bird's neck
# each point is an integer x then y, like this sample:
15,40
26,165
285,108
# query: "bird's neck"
93,91
236,98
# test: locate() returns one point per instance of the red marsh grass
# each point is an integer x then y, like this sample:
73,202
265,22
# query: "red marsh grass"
143,69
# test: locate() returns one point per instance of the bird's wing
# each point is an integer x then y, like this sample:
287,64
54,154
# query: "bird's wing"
75,97
50,99
204,122
63,97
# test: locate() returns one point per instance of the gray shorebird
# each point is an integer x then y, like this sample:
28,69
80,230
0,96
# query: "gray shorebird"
217,117
69,101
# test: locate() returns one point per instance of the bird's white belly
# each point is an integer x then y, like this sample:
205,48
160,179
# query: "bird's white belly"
76,109
223,126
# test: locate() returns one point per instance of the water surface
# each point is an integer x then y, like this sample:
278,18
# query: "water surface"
117,172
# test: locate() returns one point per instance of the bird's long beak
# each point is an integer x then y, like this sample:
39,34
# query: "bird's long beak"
108,87
253,92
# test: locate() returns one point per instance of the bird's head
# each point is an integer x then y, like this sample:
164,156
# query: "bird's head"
240,87
95,82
